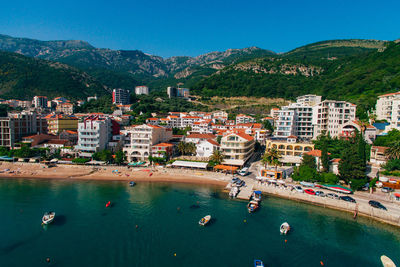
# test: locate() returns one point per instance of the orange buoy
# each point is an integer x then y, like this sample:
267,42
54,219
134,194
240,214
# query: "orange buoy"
47,259
285,240
137,226
108,204
322,264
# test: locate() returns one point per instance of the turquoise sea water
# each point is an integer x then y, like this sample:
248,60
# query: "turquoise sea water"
85,233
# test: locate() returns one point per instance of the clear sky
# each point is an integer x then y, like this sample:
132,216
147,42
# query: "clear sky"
177,27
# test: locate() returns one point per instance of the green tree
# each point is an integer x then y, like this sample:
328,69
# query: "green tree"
182,147
325,157
271,157
119,157
309,161
351,166
103,155
305,173
217,157
393,152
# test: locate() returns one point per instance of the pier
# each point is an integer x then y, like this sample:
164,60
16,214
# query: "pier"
246,192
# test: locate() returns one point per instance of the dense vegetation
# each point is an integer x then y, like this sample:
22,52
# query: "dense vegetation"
358,79
22,78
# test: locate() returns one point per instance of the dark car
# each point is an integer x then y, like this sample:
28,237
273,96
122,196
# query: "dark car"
348,199
376,204
320,193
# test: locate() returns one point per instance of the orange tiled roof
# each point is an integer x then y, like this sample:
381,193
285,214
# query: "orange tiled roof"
202,136
164,145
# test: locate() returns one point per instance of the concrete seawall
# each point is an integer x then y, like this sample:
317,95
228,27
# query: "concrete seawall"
363,209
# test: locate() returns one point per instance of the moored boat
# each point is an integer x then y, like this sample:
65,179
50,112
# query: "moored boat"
132,183
338,188
206,219
285,228
234,191
48,217
257,195
258,263
307,184
252,206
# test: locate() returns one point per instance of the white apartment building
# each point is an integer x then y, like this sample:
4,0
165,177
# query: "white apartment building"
309,100
237,148
206,148
40,101
94,133
285,123
241,118
388,108
141,90
330,115
141,138
220,115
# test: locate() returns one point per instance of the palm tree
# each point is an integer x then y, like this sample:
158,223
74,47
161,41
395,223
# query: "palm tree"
272,157
217,157
191,148
393,152
182,147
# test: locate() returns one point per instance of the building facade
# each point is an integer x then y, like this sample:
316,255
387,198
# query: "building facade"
39,102
141,90
388,108
57,123
121,96
237,148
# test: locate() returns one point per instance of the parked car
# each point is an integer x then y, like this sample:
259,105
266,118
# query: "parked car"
376,204
320,193
387,189
239,182
309,191
333,196
298,189
234,180
348,199
244,171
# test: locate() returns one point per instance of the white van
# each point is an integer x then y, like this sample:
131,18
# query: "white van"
244,171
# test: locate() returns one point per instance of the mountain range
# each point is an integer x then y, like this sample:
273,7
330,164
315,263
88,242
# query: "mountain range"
249,71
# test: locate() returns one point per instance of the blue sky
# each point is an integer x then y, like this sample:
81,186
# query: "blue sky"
175,27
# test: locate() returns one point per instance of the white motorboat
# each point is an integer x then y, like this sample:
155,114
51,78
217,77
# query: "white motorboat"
206,219
285,228
252,206
48,217
234,191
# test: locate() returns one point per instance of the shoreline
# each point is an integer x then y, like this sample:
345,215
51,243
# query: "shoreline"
183,176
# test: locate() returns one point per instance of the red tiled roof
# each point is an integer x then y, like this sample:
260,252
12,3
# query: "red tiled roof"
243,135
213,142
380,149
315,153
71,132
292,136
397,93
164,144
58,141
152,119
201,136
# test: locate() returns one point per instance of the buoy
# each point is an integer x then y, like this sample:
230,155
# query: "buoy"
322,264
47,259
137,226
108,204
285,240
174,254
244,220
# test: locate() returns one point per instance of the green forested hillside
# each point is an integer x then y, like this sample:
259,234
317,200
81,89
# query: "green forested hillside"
23,77
358,79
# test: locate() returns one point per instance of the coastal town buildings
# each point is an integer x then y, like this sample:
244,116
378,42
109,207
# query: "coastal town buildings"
65,108
141,90
120,96
39,102
206,148
19,124
237,148
141,138
57,123
290,148
162,150
94,133
388,108
241,118
177,92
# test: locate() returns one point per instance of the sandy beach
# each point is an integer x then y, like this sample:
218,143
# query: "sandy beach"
111,173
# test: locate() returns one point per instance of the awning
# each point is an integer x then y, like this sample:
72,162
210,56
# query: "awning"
6,158
96,162
226,168
190,164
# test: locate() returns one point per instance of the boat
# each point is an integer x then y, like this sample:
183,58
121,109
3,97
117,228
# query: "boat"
234,191
132,183
252,206
257,195
307,184
338,188
48,217
206,219
258,263
108,204
285,228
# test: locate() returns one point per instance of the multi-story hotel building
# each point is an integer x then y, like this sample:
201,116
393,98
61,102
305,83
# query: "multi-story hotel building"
94,133
237,148
330,115
388,108
121,97
40,102
17,125
141,90
141,138
57,123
